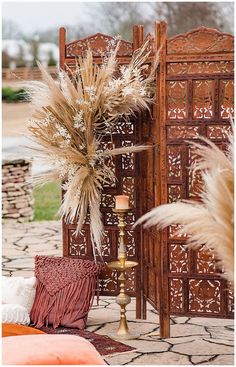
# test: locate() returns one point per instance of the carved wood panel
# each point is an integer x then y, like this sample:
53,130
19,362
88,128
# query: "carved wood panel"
201,41
99,44
125,133
194,97
199,100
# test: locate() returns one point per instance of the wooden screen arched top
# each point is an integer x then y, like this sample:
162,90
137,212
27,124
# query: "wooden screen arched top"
201,40
98,43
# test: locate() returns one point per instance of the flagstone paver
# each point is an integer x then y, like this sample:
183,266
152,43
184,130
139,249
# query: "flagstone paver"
208,322
22,241
220,332
123,358
160,359
205,341
221,360
201,347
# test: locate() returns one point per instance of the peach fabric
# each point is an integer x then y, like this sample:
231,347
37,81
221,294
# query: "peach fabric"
14,329
49,350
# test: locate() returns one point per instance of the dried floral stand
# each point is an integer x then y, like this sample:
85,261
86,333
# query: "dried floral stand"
194,97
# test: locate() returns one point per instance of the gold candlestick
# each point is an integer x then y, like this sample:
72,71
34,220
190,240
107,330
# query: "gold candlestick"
121,266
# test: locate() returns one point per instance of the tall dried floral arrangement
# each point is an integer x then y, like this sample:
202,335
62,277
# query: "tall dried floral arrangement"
209,222
71,117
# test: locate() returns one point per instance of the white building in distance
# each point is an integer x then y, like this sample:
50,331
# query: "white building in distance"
16,49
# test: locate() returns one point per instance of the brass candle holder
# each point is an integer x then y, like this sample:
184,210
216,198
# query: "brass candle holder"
121,265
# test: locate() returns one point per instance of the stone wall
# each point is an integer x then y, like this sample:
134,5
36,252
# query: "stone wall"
17,192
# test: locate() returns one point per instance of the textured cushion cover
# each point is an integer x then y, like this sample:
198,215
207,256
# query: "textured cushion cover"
15,314
49,350
64,292
19,290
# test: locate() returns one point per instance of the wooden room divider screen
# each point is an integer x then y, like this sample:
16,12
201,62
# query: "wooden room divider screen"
194,96
125,167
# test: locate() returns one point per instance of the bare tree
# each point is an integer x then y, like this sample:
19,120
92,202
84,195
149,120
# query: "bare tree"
184,16
20,61
51,60
34,47
117,18
73,32
226,16
78,31
10,30
6,59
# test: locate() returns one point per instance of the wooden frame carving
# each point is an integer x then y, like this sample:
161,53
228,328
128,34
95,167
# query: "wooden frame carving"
200,41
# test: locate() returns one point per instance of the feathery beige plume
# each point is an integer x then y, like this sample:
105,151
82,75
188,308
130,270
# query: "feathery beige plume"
71,117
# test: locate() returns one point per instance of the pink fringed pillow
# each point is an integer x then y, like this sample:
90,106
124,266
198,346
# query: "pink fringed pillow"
65,290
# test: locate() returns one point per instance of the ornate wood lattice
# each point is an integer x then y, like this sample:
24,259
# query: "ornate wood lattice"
125,167
199,101
194,97
194,90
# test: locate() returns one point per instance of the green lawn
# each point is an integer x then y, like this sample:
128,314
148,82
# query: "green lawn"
47,201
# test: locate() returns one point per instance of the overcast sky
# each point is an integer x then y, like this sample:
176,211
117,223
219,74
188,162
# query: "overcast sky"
33,16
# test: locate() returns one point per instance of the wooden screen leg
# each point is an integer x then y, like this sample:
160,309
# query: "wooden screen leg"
164,326
144,309
163,288
164,310
138,309
141,306
164,313
138,294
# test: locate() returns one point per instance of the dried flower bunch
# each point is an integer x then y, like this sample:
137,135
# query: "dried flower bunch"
71,117
210,222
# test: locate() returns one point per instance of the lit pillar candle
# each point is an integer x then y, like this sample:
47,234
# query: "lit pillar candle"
122,202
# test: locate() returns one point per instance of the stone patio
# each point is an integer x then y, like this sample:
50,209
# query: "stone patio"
205,341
